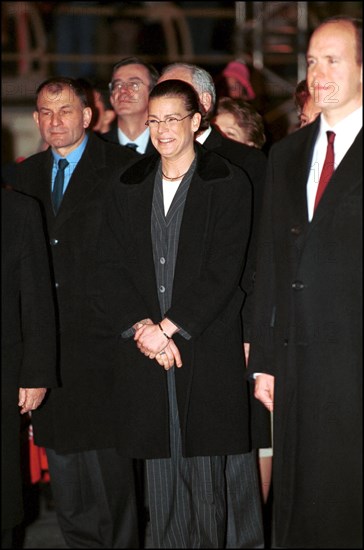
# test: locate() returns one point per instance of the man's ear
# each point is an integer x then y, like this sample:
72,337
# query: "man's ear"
36,117
206,101
87,116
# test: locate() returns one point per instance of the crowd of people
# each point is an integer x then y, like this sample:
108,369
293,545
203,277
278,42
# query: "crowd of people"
182,311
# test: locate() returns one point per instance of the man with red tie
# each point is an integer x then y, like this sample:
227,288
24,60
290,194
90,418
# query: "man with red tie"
306,351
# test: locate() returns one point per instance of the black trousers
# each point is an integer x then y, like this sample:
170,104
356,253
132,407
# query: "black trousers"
95,499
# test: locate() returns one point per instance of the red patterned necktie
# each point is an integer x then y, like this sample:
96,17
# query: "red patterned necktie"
328,168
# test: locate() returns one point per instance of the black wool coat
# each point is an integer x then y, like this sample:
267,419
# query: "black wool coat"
28,342
254,163
308,334
77,416
206,302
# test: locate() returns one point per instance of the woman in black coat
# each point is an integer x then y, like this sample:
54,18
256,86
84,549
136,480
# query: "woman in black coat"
172,256
28,339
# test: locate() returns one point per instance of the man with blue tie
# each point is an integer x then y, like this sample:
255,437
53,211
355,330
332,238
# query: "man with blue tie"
93,488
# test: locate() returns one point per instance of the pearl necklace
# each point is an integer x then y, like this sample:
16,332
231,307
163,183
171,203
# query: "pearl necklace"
173,179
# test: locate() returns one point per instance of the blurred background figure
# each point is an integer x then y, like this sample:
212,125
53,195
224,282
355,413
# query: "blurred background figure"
98,96
104,112
75,33
238,120
234,81
307,110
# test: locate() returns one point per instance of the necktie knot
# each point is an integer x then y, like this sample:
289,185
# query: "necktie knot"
330,137
131,145
62,164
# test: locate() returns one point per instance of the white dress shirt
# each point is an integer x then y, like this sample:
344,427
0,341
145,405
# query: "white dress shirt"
169,191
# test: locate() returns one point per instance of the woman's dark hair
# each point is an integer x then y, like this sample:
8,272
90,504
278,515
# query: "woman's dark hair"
183,90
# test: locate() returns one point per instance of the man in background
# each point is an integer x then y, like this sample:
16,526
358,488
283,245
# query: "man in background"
131,82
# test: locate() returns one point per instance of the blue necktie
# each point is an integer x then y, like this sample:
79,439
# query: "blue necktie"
57,194
131,146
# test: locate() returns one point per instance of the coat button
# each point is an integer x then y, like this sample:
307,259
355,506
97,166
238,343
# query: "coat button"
56,285
296,230
162,260
162,288
53,242
298,285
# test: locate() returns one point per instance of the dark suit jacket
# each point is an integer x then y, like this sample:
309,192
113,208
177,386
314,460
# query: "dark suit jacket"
112,136
76,416
308,334
28,341
206,302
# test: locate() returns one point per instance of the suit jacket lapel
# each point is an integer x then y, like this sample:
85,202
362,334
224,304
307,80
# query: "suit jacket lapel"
346,177
44,184
83,180
297,173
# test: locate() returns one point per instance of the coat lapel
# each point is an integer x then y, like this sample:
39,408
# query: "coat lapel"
86,176
298,172
140,199
192,232
346,177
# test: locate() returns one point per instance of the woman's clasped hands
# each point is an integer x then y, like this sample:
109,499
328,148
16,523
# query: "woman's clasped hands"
154,342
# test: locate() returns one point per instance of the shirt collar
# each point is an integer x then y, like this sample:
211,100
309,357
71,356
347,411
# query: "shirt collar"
74,156
203,137
351,124
141,141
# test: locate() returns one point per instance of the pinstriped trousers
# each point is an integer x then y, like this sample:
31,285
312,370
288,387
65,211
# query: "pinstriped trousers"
188,497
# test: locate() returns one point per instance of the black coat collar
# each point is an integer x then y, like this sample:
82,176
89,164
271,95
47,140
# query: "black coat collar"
209,167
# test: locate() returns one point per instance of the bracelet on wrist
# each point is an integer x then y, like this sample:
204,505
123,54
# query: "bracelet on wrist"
164,333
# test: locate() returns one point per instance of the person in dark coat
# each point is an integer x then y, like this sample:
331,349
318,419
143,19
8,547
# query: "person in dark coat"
93,487
173,252
253,162
307,345
28,342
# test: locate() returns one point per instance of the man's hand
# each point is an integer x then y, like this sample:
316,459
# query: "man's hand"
30,398
264,390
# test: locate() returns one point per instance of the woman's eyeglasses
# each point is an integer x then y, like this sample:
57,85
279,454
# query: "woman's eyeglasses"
170,121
